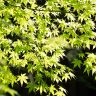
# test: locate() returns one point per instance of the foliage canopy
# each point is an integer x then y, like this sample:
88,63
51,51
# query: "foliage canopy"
33,38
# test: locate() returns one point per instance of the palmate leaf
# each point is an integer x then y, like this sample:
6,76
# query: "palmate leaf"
66,77
77,63
22,78
52,89
59,93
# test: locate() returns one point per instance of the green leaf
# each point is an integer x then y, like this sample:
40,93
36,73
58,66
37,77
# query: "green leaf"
77,63
22,78
52,89
6,89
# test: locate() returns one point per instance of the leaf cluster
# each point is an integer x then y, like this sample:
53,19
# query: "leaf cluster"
34,38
